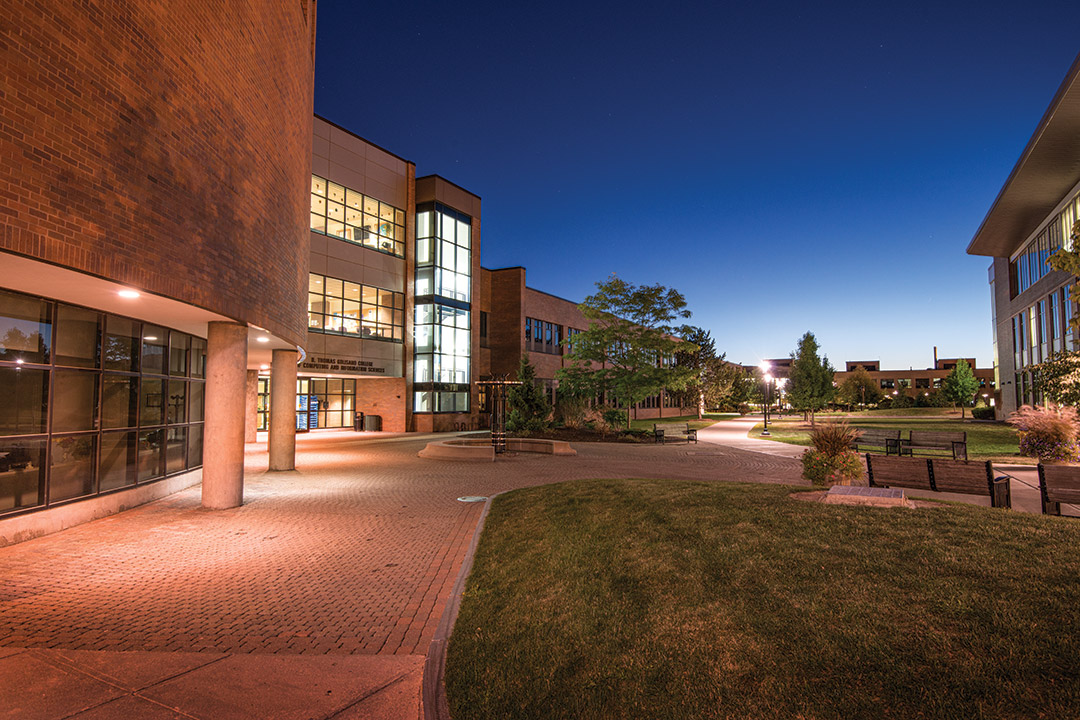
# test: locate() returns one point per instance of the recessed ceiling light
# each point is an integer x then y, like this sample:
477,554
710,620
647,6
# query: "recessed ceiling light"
262,338
150,337
264,367
19,361
130,294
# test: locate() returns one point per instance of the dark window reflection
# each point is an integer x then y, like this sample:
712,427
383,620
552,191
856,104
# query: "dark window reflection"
22,473
179,345
122,343
195,446
177,401
154,342
152,396
119,401
25,329
75,396
198,357
151,454
175,456
197,391
24,398
71,467
118,460
78,337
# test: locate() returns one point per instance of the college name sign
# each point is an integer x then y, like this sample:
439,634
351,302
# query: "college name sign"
348,365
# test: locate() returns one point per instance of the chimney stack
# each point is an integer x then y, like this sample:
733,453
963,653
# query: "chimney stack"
935,357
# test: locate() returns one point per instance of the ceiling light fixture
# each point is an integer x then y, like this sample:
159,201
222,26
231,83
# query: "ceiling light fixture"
130,294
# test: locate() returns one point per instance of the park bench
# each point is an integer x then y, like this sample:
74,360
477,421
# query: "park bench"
877,438
939,475
929,442
662,431
1058,484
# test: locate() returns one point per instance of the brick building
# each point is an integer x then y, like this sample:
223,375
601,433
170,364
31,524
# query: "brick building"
151,250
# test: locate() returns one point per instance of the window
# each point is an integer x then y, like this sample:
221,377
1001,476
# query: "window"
442,342
1030,265
888,384
92,402
339,307
542,336
343,213
922,383
262,407
324,403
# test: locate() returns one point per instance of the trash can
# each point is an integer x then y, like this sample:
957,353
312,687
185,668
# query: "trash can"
358,422
373,423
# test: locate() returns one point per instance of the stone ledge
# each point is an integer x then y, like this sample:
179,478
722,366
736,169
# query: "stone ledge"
872,496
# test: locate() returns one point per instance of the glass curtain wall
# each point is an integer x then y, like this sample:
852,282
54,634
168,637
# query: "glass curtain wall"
92,402
442,311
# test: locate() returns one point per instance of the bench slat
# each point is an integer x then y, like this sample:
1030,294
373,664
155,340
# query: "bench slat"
961,476
1061,483
906,472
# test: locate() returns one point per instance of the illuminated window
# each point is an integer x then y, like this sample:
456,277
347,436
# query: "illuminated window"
343,213
340,307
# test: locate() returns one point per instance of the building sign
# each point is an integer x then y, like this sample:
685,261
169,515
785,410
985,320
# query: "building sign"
348,365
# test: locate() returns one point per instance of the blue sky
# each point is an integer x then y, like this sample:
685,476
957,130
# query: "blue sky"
786,166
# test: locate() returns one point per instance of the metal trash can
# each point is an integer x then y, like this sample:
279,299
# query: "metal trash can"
358,422
373,423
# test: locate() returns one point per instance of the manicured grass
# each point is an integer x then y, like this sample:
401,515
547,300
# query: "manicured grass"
889,412
710,418
665,599
986,441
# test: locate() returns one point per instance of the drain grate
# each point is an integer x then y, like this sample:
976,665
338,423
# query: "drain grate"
472,498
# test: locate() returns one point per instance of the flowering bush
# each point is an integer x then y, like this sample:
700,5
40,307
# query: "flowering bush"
1047,432
822,469
832,461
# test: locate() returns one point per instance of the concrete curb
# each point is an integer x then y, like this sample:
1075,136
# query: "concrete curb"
433,689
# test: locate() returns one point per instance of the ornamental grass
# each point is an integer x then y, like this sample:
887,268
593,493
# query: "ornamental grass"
1047,432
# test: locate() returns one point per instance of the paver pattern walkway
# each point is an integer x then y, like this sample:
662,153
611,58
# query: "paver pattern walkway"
352,554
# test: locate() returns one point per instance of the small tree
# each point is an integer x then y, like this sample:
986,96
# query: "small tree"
859,388
1058,379
960,385
627,349
810,383
527,405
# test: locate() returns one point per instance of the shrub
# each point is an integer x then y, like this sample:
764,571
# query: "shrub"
833,438
614,418
983,413
1047,432
822,469
832,461
571,410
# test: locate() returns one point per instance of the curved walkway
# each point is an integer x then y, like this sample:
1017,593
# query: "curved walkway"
318,598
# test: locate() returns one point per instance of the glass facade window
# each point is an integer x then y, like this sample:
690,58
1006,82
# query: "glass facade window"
262,405
324,403
91,402
442,337
343,213
339,307
1030,265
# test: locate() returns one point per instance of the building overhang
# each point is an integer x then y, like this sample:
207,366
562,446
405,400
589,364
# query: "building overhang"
1048,168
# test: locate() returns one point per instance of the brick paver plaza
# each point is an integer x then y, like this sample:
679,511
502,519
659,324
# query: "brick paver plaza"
353,554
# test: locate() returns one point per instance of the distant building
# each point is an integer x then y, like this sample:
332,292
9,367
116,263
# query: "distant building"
1032,217
916,381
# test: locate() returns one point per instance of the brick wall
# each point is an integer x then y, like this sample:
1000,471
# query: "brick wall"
384,397
164,145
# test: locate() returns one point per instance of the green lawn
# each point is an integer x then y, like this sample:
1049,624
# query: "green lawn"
710,418
987,441
665,599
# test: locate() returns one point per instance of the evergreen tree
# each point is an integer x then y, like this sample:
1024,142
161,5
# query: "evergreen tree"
810,383
960,385
527,405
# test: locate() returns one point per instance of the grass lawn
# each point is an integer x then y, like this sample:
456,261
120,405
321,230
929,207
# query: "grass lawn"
986,441
887,412
666,599
710,418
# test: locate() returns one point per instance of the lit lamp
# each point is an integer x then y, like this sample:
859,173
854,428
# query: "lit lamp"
765,367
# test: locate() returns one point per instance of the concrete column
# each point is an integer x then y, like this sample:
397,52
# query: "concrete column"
251,416
223,439
283,410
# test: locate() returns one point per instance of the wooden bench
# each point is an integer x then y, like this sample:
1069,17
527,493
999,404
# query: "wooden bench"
930,442
879,438
1058,484
661,431
939,475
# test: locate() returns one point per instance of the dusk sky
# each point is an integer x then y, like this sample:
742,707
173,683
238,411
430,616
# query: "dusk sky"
786,166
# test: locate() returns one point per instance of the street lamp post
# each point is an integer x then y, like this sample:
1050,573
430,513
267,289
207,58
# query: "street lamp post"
765,366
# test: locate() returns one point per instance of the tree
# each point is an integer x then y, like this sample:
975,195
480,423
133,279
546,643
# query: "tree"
527,405
1058,379
960,385
859,388
628,349
810,382
698,362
